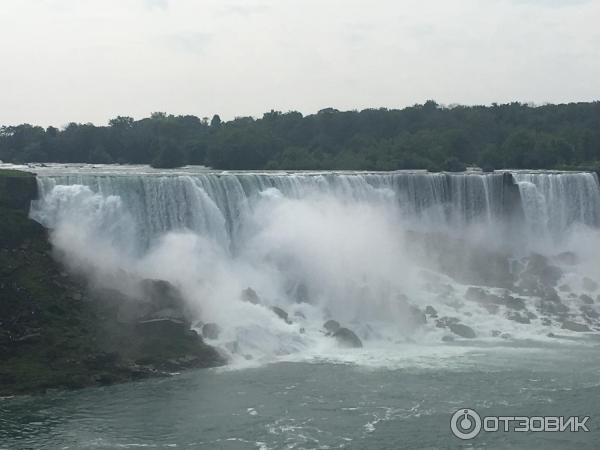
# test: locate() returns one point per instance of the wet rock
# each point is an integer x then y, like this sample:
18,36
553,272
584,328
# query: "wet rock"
431,311
281,314
331,326
462,330
513,302
211,331
249,295
589,284
550,295
490,308
519,318
546,322
574,326
476,294
347,338
101,360
496,333
564,288
586,299
166,328
553,308
445,322
167,313
589,312
161,295
299,314
539,267
448,338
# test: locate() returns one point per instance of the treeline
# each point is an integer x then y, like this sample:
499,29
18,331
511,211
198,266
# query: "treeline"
427,136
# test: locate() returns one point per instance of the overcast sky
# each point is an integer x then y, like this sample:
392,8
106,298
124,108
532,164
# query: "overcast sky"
90,60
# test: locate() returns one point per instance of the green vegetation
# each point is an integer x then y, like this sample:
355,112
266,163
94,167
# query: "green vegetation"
426,136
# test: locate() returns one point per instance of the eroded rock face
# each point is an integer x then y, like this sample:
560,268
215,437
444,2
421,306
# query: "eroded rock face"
69,336
347,338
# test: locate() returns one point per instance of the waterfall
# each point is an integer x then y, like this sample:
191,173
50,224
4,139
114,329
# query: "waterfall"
367,249
217,203
555,201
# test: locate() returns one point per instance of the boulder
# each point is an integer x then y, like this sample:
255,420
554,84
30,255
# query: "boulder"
347,338
517,317
462,330
331,326
431,312
161,294
574,326
445,322
586,299
281,314
513,302
554,308
211,331
249,295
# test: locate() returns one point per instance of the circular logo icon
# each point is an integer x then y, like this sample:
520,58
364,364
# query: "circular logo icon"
465,424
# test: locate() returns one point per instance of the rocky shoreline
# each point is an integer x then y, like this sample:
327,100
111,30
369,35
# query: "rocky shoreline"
56,333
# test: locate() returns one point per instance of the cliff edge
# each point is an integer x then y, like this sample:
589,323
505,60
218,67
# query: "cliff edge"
55,333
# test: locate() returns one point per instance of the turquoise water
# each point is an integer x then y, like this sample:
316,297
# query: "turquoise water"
319,404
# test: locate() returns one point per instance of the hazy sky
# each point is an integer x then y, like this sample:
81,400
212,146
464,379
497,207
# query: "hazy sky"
90,60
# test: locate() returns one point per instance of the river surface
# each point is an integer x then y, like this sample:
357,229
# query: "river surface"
370,401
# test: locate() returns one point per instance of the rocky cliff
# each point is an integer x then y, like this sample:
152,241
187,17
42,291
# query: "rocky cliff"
55,333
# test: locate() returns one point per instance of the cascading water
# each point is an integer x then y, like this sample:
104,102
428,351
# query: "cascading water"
553,202
341,245
217,204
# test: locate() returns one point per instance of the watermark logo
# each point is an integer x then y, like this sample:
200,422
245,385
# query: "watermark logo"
466,424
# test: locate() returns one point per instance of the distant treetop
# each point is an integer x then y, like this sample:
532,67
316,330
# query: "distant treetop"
427,136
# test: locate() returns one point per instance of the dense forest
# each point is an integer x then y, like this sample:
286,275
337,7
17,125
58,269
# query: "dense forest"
428,136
